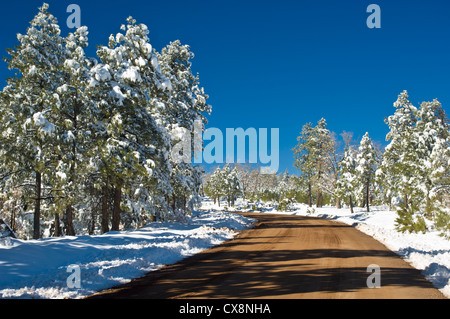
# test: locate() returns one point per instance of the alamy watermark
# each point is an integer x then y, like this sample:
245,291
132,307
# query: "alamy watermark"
74,279
192,147
74,19
374,280
374,20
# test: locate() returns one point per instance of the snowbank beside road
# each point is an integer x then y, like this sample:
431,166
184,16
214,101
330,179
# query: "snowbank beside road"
39,268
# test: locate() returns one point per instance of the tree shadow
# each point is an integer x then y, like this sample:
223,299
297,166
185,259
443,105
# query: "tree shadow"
259,274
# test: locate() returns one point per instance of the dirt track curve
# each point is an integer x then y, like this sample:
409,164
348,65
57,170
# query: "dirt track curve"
288,257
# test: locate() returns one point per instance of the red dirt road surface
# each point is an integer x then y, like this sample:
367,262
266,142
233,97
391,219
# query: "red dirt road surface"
285,257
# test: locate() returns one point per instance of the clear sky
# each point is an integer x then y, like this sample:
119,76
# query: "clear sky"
281,64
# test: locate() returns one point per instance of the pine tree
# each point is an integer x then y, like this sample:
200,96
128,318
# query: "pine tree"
31,104
431,134
323,144
416,156
312,158
398,156
215,187
347,182
234,189
73,121
304,158
183,116
126,86
365,168
284,192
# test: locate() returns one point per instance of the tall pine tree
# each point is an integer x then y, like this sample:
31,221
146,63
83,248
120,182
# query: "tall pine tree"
347,182
31,105
365,168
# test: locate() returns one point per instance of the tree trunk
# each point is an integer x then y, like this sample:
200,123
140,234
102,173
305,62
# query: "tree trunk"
406,201
57,231
105,215
92,226
351,204
173,203
37,207
338,203
319,199
309,195
116,208
367,197
13,217
70,230
428,210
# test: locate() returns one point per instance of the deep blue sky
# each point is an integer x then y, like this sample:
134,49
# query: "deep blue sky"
283,63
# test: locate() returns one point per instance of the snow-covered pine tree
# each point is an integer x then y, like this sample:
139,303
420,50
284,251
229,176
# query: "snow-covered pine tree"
215,186
234,188
399,149
29,116
131,143
440,177
73,121
347,182
183,113
409,165
312,158
405,116
410,172
284,194
304,158
227,183
365,168
224,182
323,143
433,148
384,178
432,134
187,101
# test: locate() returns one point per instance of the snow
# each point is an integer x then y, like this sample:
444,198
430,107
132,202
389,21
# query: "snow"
427,252
132,75
33,70
141,62
39,268
101,73
117,93
40,120
167,85
61,175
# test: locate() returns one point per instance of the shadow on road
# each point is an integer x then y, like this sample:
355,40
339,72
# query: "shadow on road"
282,257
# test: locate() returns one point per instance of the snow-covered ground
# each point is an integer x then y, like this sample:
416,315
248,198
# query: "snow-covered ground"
39,268
428,252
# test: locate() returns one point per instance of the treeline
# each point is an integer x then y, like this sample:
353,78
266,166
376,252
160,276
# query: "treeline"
252,184
411,174
86,142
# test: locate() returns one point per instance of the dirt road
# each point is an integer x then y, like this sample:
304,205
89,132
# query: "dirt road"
288,257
